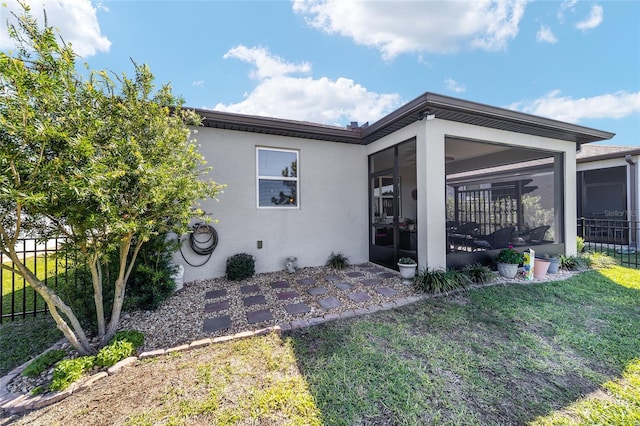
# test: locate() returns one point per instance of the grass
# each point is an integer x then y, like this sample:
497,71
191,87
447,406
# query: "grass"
512,354
23,293
554,353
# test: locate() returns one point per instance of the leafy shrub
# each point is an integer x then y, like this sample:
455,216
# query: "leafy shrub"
44,361
150,282
406,261
574,263
68,371
440,280
337,261
478,274
123,345
133,336
599,260
580,244
240,266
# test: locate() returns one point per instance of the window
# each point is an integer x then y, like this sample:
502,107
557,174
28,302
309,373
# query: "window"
277,178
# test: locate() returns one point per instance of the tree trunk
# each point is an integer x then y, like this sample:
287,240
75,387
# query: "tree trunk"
75,336
124,271
96,278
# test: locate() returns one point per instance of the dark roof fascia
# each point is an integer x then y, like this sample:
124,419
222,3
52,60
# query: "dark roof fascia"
461,110
277,126
608,156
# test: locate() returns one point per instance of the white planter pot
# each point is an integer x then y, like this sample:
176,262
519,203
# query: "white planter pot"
508,270
407,272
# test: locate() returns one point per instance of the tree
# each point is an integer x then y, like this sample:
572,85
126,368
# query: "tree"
105,160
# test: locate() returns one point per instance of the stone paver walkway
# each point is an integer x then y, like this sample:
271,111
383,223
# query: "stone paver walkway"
300,299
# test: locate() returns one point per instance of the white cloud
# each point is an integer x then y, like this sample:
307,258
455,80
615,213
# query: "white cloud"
413,27
546,35
611,105
594,19
281,94
566,5
198,83
76,21
454,86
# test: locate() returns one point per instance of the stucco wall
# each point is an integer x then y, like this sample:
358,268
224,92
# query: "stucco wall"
333,204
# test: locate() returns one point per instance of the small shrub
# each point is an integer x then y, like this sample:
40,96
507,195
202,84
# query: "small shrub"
599,260
406,261
440,280
114,352
337,261
123,345
580,244
240,266
575,263
133,336
68,371
43,362
37,390
478,274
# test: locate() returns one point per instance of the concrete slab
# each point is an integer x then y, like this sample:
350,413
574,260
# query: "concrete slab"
287,295
371,282
316,291
217,306
332,278
246,289
279,284
306,281
386,291
344,286
355,274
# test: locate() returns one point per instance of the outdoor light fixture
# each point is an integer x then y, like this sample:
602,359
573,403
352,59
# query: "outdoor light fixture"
428,114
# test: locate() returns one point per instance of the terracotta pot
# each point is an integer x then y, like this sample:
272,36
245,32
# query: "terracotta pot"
508,270
540,268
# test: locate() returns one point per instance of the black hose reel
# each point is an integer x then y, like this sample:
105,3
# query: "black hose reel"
203,240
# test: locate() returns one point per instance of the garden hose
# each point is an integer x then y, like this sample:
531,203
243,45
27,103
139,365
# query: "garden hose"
203,240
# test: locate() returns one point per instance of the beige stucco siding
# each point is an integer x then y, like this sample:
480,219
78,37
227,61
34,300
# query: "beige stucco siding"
333,203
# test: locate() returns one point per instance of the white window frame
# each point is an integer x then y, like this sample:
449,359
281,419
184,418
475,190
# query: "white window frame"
260,177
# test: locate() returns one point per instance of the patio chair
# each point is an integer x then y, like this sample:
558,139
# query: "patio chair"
535,235
496,240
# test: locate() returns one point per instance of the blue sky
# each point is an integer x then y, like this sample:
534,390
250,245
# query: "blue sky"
334,62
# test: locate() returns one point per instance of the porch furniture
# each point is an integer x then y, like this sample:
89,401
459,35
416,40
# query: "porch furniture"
535,235
460,238
496,240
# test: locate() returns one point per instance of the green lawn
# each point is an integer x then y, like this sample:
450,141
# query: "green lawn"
554,353
23,293
557,353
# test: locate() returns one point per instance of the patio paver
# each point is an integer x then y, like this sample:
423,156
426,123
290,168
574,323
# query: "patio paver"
344,286
259,316
387,275
329,302
254,300
386,291
297,308
332,278
371,282
316,291
246,289
217,306
287,295
217,323
355,274
306,281
359,297
214,294
279,284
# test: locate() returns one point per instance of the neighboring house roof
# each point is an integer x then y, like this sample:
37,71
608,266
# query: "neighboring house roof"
604,152
443,107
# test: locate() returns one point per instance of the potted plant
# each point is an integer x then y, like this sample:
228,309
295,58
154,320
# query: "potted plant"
508,260
540,267
554,264
410,224
407,269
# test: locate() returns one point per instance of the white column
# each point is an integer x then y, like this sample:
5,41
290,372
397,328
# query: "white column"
568,175
431,196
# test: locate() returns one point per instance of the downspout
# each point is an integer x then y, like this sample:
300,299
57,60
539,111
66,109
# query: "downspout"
632,212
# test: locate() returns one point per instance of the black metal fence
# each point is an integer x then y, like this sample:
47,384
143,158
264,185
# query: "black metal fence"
617,238
19,300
